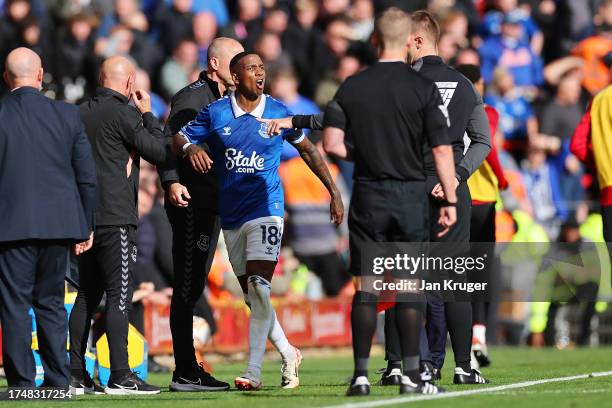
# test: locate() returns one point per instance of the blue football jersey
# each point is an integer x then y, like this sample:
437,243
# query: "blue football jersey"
245,157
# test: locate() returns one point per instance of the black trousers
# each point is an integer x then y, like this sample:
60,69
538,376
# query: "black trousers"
482,232
107,268
457,316
195,233
32,276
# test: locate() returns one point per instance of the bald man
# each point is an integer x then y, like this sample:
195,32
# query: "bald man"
120,134
47,200
191,205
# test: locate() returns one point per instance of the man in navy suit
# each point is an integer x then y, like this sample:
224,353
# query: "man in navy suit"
47,199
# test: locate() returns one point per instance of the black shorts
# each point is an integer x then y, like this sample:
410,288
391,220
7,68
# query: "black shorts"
385,211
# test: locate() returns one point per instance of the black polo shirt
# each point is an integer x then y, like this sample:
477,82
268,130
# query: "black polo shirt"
185,106
392,112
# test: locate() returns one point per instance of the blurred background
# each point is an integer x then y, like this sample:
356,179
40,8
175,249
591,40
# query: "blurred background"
542,63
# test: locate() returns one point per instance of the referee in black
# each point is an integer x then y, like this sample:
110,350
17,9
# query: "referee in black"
192,209
446,311
119,135
391,112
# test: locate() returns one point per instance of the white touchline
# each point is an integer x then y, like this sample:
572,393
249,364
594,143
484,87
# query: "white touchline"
455,394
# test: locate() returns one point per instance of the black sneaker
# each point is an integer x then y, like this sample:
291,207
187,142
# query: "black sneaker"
437,374
426,388
360,386
86,385
130,384
427,371
473,377
479,353
196,379
393,377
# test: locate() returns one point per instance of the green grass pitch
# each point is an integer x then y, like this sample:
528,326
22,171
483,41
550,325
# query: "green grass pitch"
323,384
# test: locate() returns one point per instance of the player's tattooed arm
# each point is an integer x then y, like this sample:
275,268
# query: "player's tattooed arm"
317,165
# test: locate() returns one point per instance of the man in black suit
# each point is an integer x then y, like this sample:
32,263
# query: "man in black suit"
47,199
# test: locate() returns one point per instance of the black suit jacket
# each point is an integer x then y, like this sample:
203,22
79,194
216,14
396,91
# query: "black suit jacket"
47,172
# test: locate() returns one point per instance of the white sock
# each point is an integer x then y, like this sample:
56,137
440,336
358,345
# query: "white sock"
277,336
260,321
479,332
280,341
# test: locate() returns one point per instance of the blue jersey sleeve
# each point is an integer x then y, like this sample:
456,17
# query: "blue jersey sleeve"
198,129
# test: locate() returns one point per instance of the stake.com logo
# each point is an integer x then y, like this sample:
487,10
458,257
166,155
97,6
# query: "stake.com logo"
243,164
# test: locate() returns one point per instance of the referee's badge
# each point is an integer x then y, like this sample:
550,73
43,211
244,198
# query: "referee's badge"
263,131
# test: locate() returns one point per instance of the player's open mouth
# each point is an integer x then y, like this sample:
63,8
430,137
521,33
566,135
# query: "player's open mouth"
260,83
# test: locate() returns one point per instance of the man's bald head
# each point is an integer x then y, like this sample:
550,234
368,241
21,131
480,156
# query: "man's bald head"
117,73
220,53
23,67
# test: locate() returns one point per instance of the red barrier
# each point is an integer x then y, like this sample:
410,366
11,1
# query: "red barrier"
307,324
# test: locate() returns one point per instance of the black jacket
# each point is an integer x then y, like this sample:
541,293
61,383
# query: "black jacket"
119,135
467,117
185,106
47,174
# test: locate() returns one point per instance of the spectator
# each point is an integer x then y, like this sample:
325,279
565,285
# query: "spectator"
301,39
276,20
74,66
455,25
558,119
447,47
468,56
248,26
215,7
593,49
510,52
285,88
174,24
516,118
542,184
269,48
129,43
337,40
492,24
124,12
16,12
175,72
347,66
204,31
362,13
334,8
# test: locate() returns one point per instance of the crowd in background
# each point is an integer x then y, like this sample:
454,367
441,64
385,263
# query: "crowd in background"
542,62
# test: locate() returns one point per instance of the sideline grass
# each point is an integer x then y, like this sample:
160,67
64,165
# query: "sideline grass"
323,385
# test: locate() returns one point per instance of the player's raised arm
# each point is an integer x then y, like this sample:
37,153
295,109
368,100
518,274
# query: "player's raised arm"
186,142
315,162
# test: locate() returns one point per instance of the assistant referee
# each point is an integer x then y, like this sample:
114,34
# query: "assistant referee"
468,120
391,112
